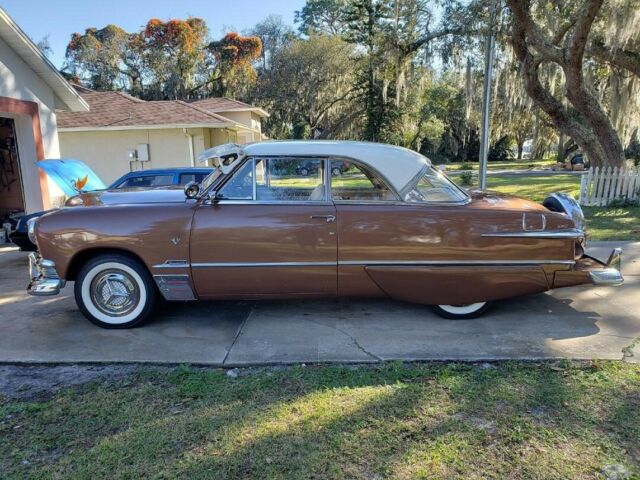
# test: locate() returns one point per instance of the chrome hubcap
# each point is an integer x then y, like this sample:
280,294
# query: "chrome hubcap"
115,292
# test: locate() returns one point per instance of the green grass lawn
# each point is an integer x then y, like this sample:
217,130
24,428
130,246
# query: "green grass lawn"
510,420
602,223
535,187
510,165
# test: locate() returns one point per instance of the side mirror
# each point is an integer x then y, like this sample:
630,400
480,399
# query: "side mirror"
192,190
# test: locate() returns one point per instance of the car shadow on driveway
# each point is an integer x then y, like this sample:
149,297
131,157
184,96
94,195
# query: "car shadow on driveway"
375,330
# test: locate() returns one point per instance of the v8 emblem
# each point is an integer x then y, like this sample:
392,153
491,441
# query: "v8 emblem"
175,240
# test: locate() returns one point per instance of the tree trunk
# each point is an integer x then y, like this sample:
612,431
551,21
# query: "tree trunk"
584,121
520,148
560,149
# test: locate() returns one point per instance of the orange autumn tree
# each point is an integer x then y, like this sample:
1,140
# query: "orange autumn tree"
163,60
172,59
174,51
98,56
234,71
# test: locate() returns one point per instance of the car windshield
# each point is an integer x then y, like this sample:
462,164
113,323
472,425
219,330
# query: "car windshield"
433,186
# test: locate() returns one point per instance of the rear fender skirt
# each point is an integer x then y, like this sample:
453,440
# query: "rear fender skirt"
458,285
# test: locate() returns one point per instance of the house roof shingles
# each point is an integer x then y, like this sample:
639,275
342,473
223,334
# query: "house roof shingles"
117,109
222,104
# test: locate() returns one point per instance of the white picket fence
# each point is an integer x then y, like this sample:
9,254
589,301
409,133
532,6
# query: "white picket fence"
600,186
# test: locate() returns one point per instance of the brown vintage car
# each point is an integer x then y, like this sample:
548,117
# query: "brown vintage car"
307,220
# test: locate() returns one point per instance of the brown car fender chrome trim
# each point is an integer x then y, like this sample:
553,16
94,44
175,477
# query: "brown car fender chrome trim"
378,263
574,233
262,264
445,263
173,264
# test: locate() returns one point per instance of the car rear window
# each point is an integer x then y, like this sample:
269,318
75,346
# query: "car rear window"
147,181
192,177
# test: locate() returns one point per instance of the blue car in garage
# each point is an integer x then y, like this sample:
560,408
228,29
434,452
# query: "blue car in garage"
73,176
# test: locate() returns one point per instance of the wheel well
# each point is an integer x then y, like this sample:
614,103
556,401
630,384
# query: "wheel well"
82,257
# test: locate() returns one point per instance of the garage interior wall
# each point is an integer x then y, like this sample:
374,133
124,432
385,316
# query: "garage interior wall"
27,158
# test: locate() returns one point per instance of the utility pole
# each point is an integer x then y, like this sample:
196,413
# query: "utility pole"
486,95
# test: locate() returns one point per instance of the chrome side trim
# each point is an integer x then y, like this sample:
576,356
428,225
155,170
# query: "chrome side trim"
573,233
175,287
173,264
456,262
382,262
262,264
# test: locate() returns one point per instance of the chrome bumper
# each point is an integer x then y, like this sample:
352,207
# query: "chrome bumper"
44,278
611,274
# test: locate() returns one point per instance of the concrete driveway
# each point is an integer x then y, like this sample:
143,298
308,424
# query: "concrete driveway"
581,323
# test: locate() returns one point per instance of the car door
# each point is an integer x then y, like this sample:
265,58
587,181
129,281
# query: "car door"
368,227
270,233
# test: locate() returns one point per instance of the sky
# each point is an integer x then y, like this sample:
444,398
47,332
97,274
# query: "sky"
60,18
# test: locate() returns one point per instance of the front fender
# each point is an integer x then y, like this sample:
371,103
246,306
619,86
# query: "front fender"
155,233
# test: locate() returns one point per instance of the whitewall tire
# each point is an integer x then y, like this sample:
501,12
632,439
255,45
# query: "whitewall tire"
115,291
460,312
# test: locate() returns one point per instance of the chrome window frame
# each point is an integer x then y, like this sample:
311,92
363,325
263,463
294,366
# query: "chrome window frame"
400,195
254,201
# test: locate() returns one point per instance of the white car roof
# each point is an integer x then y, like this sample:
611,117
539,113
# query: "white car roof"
398,165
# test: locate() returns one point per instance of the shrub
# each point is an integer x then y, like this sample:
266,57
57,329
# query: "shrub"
466,177
623,203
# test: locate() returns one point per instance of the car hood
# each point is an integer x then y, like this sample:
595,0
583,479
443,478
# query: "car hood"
126,196
72,176
503,201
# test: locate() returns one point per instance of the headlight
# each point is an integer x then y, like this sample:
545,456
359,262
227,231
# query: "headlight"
31,229
74,202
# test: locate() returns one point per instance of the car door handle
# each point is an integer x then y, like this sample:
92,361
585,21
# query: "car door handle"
328,218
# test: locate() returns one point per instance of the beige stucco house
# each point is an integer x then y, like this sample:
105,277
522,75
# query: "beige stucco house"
31,91
121,133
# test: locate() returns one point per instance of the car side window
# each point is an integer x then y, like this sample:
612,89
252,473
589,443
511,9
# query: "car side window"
240,186
147,181
290,179
191,177
353,182
434,187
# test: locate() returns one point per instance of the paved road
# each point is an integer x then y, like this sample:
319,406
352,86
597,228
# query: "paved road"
579,322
